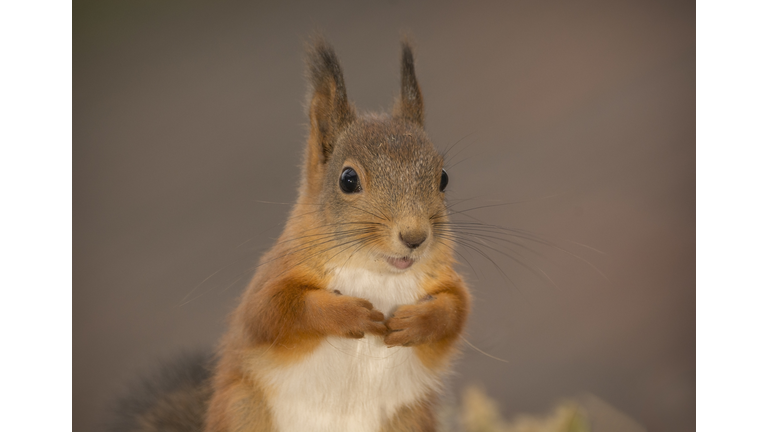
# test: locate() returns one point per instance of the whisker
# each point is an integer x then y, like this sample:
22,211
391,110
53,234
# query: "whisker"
320,234
534,270
503,204
523,234
470,246
184,300
439,240
483,352
282,203
448,151
320,253
450,158
587,247
304,246
365,211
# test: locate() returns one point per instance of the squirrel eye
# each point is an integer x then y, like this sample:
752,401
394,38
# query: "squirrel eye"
349,182
443,181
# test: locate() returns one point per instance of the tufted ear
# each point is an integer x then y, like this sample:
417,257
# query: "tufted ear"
409,105
329,110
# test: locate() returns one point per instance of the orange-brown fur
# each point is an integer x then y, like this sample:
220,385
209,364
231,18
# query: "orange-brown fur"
417,417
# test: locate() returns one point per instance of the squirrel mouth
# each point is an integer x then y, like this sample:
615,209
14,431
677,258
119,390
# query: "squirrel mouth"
400,263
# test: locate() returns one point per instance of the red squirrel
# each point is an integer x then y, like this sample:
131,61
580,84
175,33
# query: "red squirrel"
353,316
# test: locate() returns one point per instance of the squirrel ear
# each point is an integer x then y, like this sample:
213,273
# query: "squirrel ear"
409,105
329,110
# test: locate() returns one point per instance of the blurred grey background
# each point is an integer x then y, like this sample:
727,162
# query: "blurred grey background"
574,120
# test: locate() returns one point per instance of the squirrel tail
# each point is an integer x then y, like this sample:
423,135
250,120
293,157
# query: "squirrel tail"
175,398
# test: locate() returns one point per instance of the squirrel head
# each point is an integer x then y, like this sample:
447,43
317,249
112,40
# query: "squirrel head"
376,179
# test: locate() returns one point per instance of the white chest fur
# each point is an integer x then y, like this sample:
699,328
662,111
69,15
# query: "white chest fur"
353,384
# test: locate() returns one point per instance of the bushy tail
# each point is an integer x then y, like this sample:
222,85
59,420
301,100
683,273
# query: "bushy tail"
172,400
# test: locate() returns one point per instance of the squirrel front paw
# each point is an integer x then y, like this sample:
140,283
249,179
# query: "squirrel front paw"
413,324
354,317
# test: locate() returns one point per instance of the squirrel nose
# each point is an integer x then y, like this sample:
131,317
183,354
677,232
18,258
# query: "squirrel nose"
413,239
